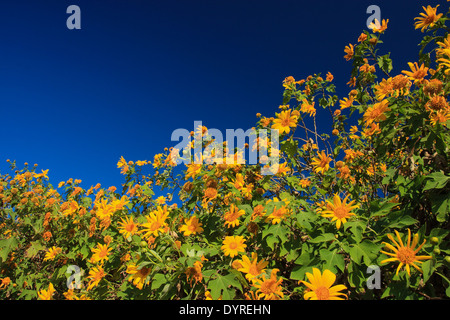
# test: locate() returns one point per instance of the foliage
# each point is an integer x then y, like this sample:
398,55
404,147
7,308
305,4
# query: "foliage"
374,191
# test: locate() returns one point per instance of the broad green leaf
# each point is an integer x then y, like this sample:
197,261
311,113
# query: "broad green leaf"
365,251
323,238
220,286
6,246
333,259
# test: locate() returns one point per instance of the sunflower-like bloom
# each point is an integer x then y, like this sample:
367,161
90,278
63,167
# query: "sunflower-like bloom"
321,163
377,27
417,74
376,112
156,222
285,121
405,254
95,275
191,226
321,286
52,253
339,210
101,252
232,216
269,289
47,294
349,50
232,245
308,108
128,227
195,272
252,268
427,18
138,275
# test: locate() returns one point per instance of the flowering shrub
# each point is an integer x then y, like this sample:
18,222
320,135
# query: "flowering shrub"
373,193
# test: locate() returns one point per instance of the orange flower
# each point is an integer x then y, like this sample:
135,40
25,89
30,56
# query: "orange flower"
321,163
417,74
428,18
232,216
377,27
284,122
349,50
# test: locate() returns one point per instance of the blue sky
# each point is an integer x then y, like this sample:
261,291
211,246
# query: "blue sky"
74,101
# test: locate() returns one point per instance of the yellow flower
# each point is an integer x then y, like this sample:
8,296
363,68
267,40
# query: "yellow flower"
138,275
232,245
321,163
308,108
439,117
44,174
156,222
304,183
376,27
47,294
405,254
194,272
278,214
117,204
284,122
320,286
141,163
232,216
252,267
329,77
428,18
210,194
128,227
160,200
193,170
52,253
123,165
349,52
101,252
4,282
269,289
376,112
95,275
345,103
288,81
191,226
417,74
339,210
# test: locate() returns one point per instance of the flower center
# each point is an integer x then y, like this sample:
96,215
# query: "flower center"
233,245
340,212
155,226
322,293
285,122
268,286
406,255
253,270
129,227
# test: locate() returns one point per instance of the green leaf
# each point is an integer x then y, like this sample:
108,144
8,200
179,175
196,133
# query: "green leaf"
436,180
324,237
34,249
365,251
385,63
220,286
6,246
332,260
277,230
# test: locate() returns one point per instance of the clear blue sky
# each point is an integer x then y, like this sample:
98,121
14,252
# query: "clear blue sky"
74,101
